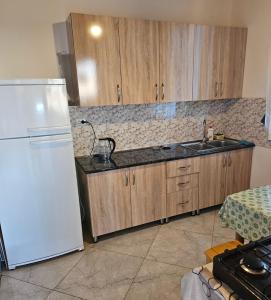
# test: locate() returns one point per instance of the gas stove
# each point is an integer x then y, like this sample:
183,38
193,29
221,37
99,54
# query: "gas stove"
246,270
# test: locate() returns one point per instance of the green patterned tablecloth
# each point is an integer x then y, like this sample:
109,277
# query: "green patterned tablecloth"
248,213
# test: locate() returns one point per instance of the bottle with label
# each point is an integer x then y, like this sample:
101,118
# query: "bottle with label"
210,133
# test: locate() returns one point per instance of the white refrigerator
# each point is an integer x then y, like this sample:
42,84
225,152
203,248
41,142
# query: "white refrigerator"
39,203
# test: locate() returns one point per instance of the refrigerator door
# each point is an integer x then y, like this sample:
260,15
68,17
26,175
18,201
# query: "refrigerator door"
39,205
33,110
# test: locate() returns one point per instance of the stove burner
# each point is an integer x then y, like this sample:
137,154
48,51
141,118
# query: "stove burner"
253,265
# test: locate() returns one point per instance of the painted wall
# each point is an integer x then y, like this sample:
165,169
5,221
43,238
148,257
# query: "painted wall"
27,44
255,14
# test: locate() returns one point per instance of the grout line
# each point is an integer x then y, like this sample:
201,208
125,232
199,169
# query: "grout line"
144,259
43,287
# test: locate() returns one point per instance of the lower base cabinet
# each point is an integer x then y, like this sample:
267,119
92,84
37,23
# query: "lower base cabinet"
148,193
120,199
223,174
109,201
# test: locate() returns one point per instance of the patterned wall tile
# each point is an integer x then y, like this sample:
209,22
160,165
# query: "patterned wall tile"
137,126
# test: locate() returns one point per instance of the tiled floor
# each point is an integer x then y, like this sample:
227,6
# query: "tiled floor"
143,264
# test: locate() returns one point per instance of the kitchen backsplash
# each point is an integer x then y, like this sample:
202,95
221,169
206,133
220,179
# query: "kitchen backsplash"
137,126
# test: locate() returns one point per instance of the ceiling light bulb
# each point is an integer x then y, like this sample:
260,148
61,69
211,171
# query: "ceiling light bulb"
96,31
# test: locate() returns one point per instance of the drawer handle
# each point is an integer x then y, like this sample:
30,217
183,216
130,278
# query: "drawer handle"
182,183
185,167
183,203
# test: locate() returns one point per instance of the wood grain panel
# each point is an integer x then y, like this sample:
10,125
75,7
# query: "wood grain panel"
176,61
110,206
238,171
183,167
182,202
97,59
175,184
148,193
139,50
207,62
233,62
212,179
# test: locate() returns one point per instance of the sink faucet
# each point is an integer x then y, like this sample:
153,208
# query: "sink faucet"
205,138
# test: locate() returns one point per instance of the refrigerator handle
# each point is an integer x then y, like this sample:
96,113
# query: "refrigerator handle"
55,129
44,142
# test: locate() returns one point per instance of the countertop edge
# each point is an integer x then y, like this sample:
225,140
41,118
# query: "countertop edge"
156,161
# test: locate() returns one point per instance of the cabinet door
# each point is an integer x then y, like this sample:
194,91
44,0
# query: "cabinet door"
233,59
96,49
238,171
212,179
148,193
207,62
139,51
176,61
110,205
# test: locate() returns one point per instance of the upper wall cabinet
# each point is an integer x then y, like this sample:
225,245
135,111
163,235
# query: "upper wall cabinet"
219,58
176,61
129,61
97,59
139,52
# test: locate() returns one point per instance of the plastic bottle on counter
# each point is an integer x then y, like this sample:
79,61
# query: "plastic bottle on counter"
210,133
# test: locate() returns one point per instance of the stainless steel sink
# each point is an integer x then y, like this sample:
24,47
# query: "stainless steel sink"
209,146
199,146
223,143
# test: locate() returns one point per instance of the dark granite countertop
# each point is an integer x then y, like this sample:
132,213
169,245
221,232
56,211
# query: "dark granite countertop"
145,156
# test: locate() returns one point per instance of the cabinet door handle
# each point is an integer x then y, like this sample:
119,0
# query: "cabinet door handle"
182,203
184,167
216,89
230,160
221,89
118,93
156,92
163,91
182,183
126,180
134,178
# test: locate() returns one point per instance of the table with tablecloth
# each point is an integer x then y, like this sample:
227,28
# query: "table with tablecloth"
248,213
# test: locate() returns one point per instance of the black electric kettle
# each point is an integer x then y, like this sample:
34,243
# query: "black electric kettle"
104,148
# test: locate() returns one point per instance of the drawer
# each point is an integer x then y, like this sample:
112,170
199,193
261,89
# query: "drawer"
182,202
183,167
180,183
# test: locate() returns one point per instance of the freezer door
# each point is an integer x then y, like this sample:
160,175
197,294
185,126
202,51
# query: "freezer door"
33,110
39,205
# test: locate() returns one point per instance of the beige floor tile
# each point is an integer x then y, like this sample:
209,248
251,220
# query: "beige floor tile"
203,223
101,275
179,247
12,289
48,273
157,281
135,243
59,296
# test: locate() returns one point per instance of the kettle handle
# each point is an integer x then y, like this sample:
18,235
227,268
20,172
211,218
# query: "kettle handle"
113,144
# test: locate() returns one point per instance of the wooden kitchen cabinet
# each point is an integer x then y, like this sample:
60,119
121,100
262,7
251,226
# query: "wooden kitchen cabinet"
223,174
139,51
176,61
97,59
233,62
148,193
212,179
219,58
120,199
109,201
182,186
238,171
